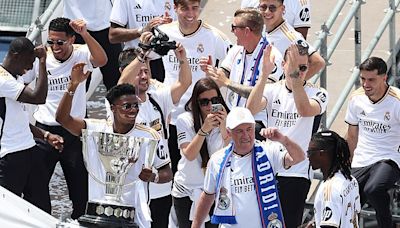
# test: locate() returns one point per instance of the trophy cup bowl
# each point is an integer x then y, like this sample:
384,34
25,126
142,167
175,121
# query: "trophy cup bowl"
115,153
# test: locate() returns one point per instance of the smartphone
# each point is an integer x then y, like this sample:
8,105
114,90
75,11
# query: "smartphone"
216,108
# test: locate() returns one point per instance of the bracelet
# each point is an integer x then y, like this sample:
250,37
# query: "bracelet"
156,178
201,134
141,57
46,136
205,133
69,92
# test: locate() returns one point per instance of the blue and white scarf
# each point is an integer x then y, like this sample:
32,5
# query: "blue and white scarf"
265,186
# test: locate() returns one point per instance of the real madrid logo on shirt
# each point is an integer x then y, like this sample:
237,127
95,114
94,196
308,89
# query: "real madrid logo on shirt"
387,116
223,201
200,48
167,6
274,222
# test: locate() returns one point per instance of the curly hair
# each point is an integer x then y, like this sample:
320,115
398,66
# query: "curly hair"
61,24
120,90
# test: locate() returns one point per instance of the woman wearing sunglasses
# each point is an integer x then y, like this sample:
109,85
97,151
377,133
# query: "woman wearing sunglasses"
201,132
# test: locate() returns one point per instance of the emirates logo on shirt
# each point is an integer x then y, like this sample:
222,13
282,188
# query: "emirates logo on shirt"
200,48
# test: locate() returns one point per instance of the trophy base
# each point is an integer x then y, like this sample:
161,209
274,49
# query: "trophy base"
108,216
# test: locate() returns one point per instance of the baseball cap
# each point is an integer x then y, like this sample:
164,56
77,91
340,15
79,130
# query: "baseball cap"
237,116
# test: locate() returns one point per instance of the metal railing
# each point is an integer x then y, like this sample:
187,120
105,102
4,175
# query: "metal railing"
18,15
327,51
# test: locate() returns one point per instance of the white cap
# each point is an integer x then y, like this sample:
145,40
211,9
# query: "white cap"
237,116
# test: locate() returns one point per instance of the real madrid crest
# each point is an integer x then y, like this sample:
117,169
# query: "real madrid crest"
200,48
386,117
274,221
223,202
167,6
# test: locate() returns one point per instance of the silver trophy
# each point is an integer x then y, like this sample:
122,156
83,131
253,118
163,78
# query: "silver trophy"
108,158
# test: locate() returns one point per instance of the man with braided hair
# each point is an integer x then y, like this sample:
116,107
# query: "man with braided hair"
337,202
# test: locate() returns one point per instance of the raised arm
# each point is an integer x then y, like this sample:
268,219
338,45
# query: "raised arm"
39,94
256,102
185,75
98,56
63,114
305,107
352,139
295,153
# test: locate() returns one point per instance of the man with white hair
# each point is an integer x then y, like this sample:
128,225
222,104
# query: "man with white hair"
241,177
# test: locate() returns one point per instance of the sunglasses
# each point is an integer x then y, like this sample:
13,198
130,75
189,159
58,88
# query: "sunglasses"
303,67
312,151
234,27
206,101
128,106
58,42
264,7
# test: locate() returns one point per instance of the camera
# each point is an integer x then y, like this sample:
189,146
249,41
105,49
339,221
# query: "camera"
159,44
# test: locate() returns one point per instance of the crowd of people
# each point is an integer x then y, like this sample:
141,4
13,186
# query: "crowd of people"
237,125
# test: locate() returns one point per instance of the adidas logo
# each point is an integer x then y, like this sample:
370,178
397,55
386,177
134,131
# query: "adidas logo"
277,102
362,113
138,6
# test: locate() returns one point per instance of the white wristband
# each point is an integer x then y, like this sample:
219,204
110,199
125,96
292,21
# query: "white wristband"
156,178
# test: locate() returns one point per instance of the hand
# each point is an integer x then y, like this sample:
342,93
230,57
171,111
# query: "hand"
292,59
268,61
211,121
273,134
79,26
40,52
77,75
146,175
180,52
152,23
166,18
146,37
56,141
205,62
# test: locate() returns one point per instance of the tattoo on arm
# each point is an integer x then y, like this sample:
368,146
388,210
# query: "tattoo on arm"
240,89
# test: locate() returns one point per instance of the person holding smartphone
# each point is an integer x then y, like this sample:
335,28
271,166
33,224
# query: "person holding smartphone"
201,132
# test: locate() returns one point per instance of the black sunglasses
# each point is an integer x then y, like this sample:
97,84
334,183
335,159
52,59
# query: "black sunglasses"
303,67
233,27
58,42
312,151
128,106
264,7
213,100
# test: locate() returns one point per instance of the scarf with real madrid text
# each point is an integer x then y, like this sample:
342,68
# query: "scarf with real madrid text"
265,186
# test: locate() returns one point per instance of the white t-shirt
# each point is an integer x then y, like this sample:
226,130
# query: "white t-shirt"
244,197
282,114
190,174
284,35
59,74
236,61
149,116
337,202
378,127
96,13
138,13
206,41
297,12
15,134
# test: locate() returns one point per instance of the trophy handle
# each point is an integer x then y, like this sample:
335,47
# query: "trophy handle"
151,149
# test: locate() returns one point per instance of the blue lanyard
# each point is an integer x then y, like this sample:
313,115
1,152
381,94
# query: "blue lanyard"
253,79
